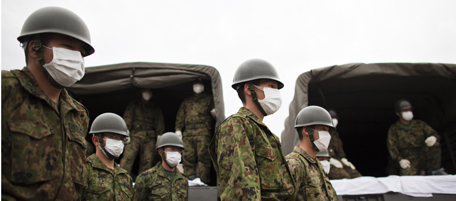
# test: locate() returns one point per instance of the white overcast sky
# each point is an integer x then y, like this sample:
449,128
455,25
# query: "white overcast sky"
294,35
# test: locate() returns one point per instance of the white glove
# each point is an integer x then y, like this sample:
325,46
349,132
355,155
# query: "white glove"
214,113
348,163
430,141
335,162
179,133
404,163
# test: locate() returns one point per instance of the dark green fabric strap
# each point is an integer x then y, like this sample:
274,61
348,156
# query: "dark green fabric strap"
255,98
37,46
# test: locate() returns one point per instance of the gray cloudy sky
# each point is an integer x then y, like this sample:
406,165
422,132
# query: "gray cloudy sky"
295,35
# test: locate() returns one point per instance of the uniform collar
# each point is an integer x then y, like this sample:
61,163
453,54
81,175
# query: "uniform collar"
244,112
162,172
29,83
304,154
96,163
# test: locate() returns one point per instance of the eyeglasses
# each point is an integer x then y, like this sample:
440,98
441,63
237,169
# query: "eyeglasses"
117,137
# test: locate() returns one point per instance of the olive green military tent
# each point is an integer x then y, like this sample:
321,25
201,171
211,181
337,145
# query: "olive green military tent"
109,88
363,95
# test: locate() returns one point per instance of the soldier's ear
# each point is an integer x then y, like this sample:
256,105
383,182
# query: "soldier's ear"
95,140
247,89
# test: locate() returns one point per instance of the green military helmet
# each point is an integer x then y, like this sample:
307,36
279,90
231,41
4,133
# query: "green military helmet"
109,123
255,69
333,114
170,139
402,105
56,20
323,153
313,115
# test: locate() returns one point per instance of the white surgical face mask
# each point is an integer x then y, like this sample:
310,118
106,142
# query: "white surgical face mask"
66,67
173,158
272,100
198,88
147,95
326,166
114,147
323,141
335,121
407,115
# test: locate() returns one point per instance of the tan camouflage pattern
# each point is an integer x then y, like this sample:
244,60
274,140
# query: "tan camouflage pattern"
145,121
197,153
196,109
43,143
105,184
311,180
154,184
336,150
250,170
407,142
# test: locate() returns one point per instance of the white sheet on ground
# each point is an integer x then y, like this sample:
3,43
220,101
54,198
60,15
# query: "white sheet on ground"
416,186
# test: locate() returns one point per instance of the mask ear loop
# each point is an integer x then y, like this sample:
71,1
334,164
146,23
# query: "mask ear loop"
255,98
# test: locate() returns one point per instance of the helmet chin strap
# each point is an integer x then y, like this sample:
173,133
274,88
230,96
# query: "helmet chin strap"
255,98
164,158
107,154
37,46
312,140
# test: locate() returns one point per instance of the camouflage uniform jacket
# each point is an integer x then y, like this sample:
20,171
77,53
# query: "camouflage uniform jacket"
403,139
195,109
154,184
144,118
249,161
311,180
104,184
43,145
336,148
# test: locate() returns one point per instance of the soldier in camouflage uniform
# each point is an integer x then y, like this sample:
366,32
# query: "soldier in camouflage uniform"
312,124
43,127
340,166
163,181
412,144
194,115
106,180
247,156
145,122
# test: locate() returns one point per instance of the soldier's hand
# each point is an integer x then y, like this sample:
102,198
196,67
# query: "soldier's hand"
179,133
404,163
335,162
214,113
348,163
430,141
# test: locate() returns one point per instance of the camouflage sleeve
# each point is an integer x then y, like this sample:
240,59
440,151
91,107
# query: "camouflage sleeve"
7,84
238,170
298,172
392,144
140,188
428,131
160,122
128,115
87,182
180,117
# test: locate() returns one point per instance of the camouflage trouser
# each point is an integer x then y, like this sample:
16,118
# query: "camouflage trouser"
145,148
426,158
341,173
196,151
